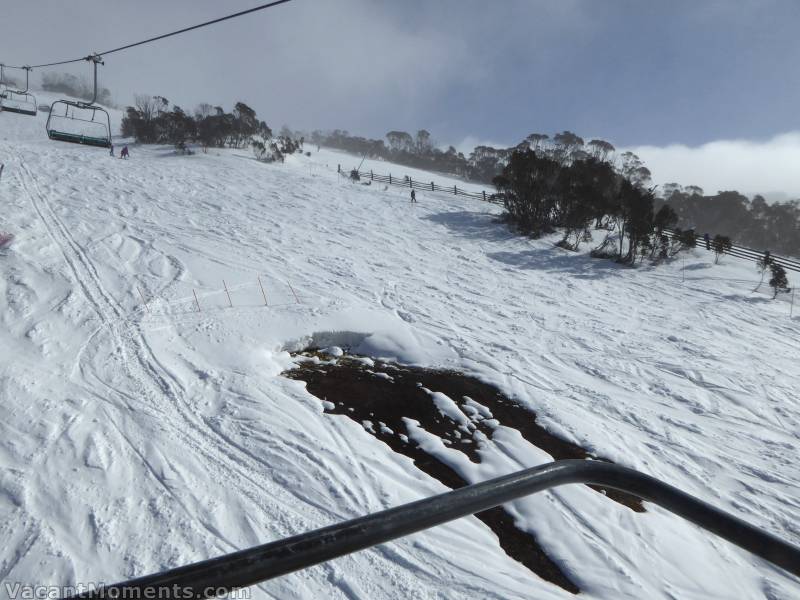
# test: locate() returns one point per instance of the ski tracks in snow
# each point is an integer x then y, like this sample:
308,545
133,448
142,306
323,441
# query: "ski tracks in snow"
142,386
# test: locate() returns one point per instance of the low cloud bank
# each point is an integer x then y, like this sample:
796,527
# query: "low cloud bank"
770,168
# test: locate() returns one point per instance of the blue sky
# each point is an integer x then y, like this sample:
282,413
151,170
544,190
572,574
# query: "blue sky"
638,73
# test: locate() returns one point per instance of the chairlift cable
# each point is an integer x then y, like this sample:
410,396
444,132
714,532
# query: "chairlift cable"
154,39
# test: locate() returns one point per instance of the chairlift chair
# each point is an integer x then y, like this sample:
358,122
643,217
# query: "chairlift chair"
18,101
80,122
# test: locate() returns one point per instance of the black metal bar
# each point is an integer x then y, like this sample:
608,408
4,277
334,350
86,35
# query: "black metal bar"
249,567
95,59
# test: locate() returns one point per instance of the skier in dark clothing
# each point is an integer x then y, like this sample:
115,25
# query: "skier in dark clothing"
112,149
124,153
413,196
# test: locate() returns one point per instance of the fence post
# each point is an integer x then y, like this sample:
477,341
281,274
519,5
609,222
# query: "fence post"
263,293
455,190
390,179
195,299
371,175
484,195
431,186
410,182
225,285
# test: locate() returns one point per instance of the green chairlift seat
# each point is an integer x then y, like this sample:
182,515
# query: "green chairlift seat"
77,138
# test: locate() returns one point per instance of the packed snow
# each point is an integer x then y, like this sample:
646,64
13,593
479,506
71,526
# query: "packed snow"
140,433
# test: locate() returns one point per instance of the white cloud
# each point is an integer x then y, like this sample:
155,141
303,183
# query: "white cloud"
469,143
770,167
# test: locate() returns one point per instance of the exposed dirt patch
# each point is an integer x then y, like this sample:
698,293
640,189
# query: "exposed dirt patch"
379,395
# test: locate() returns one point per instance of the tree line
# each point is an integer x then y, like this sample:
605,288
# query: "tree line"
418,151
549,185
563,184
153,121
751,222
754,223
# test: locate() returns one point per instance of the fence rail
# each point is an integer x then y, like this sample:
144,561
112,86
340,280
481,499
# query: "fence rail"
220,575
745,253
416,184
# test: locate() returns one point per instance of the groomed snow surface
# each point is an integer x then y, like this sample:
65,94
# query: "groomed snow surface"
137,439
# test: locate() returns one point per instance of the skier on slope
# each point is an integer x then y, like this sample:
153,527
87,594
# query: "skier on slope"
112,150
413,196
124,153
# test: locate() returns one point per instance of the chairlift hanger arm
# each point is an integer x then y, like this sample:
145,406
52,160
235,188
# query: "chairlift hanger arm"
27,77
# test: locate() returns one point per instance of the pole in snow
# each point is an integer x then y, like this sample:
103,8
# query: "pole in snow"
225,285
143,300
293,292
263,293
195,300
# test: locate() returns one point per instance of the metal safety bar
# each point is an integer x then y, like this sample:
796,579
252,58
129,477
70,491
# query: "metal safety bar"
220,575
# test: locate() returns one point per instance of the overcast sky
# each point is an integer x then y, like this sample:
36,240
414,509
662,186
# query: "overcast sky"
668,78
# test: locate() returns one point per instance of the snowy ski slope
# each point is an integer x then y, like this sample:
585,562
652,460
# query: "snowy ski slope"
136,439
